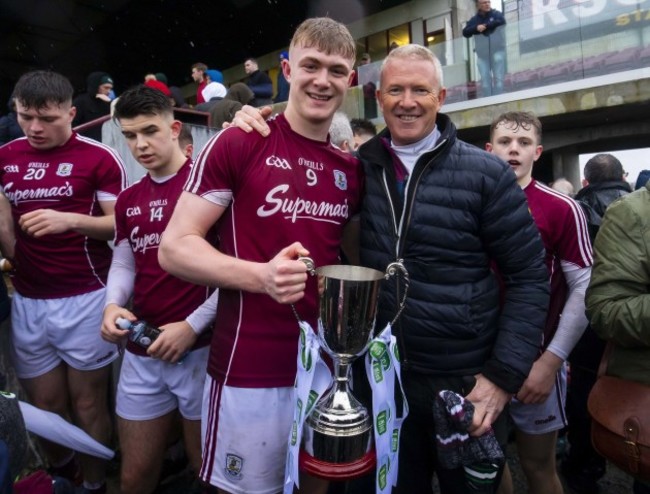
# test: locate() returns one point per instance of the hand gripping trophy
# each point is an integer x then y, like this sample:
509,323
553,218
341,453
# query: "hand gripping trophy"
332,435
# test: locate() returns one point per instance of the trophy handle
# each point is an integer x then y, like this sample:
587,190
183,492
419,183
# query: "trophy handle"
392,269
309,262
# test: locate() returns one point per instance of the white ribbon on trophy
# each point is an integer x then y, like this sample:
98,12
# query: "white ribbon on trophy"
312,380
382,367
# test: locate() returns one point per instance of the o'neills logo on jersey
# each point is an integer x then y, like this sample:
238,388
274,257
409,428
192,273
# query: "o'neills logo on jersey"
300,208
148,241
314,165
37,193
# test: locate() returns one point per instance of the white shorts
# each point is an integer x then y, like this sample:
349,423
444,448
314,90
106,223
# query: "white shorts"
150,388
47,331
540,418
245,434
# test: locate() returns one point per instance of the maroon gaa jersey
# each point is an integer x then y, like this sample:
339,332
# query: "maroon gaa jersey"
279,189
72,178
563,228
142,213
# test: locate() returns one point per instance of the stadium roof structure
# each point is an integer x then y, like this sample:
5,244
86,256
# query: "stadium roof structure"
129,38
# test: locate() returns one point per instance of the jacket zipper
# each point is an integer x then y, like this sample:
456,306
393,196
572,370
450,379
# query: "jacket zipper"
400,230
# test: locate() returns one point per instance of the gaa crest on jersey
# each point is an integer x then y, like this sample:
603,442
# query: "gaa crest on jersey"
64,170
234,465
340,180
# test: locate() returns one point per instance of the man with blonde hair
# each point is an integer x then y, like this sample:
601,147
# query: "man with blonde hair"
273,199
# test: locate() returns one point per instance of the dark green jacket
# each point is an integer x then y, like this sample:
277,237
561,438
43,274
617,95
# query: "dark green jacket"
618,297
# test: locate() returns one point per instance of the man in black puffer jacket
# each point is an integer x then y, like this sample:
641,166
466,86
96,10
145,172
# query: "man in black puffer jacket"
452,212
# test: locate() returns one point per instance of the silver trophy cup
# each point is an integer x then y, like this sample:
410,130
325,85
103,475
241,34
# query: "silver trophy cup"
338,434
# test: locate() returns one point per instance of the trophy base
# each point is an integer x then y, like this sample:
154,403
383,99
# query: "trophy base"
337,471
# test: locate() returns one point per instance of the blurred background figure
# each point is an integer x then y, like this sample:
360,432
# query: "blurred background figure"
198,75
224,110
563,186
94,103
341,132
259,82
177,94
9,128
213,91
363,130
282,84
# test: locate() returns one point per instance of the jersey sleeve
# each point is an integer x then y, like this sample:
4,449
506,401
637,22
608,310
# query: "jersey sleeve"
110,176
573,244
120,220
218,167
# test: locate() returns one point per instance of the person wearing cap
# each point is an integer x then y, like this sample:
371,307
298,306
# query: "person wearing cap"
214,91
160,86
94,103
177,94
282,85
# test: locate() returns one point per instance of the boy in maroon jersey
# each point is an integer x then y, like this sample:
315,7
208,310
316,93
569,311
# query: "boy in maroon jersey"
276,198
538,408
152,387
56,215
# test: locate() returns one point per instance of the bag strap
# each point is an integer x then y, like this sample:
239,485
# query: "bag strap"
602,367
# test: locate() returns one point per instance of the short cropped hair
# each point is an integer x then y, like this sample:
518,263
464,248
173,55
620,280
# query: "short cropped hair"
142,100
603,167
185,137
415,52
326,35
200,66
523,119
40,88
363,126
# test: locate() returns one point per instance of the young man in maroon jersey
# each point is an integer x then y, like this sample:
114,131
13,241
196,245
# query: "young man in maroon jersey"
276,198
56,215
151,386
538,408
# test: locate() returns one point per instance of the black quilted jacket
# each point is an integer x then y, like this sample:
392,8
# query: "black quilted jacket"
463,213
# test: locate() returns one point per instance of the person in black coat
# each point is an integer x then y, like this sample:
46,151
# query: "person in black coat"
9,128
259,82
94,103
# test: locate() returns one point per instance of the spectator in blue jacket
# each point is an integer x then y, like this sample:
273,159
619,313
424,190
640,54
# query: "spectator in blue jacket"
490,46
282,84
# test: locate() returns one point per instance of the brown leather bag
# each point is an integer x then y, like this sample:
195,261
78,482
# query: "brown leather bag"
620,428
